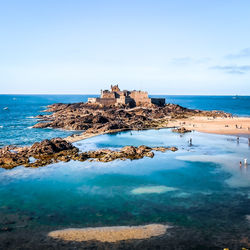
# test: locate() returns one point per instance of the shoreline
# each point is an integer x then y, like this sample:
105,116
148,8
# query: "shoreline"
203,124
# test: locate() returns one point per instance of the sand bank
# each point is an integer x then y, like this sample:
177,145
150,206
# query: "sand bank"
225,126
84,135
109,234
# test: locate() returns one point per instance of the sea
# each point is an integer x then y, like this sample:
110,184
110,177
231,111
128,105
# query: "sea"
199,188
18,113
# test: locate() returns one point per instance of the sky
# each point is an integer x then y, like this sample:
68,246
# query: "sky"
197,47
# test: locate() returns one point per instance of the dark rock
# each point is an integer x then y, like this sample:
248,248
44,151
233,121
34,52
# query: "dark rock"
50,146
181,130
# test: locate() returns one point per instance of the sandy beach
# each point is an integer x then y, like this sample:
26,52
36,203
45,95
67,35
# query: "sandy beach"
83,136
226,126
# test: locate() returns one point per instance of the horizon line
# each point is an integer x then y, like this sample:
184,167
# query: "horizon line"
148,94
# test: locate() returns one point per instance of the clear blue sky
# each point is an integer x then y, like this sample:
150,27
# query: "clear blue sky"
162,46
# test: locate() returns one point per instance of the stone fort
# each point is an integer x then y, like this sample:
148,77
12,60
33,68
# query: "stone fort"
134,98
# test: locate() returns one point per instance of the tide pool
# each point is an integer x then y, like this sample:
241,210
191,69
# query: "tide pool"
201,187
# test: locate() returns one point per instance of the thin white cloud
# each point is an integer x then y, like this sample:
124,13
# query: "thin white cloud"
233,69
244,53
189,60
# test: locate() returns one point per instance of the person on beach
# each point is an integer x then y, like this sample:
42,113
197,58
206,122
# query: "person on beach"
240,164
249,141
238,140
236,126
190,142
245,162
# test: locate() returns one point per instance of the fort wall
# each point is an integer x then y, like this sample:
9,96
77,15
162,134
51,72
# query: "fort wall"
158,101
132,98
140,97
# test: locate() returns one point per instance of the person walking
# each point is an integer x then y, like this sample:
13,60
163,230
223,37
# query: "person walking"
190,142
238,139
245,162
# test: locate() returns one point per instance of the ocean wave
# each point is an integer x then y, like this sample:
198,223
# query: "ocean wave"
30,117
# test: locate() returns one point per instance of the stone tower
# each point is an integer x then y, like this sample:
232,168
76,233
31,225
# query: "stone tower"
115,88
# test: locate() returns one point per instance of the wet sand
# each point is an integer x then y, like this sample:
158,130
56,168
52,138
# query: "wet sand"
83,136
109,234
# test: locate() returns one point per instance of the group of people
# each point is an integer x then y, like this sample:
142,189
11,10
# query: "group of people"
245,163
245,160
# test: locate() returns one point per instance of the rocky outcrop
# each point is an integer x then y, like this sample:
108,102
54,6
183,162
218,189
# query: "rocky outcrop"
93,118
181,130
57,149
52,146
44,153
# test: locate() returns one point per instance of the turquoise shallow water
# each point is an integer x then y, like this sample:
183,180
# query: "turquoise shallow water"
201,187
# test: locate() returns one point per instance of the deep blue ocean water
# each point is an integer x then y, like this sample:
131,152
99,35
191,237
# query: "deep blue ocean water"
16,121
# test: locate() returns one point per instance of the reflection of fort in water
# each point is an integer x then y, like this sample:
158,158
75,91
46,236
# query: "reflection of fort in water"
131,98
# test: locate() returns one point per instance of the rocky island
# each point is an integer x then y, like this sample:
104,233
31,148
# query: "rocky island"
114,111
108,114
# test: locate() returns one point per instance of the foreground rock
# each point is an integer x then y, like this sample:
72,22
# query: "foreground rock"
39,154
57,149
109,234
